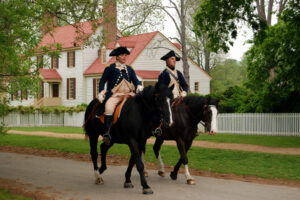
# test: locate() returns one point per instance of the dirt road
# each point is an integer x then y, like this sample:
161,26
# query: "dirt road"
58,178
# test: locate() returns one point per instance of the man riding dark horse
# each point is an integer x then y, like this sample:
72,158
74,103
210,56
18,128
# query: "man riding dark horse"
121,82
170,76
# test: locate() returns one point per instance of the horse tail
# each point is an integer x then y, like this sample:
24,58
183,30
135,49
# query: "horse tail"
90,110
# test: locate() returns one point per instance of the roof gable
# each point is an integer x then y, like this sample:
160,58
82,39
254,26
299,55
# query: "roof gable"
68,36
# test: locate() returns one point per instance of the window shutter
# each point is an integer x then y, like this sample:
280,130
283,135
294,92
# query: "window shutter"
68,87
73,58
94,88
57,64
68,58
74,88
42,92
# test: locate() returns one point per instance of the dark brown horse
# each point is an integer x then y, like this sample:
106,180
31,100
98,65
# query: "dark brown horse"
133,128
187,114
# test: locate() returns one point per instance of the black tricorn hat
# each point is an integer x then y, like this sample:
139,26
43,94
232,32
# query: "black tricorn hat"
119,51
170,54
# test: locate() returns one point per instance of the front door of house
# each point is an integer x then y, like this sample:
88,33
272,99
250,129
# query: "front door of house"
55,90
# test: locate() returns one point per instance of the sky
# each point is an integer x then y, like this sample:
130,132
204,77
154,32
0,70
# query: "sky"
236,52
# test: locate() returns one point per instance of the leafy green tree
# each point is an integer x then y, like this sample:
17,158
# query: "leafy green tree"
227,74
274,64
219,19
20,33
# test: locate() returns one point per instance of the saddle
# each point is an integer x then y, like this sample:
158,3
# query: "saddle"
117,112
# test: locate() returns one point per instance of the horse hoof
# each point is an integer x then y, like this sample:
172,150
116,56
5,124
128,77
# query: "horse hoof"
147,191
99,181
173,176
128,185
162,174
191,182
146,174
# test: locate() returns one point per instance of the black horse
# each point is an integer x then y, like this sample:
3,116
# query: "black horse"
133,127
187,112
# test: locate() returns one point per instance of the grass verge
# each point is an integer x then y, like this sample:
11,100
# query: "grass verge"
7,195
215,160
54,129
271,141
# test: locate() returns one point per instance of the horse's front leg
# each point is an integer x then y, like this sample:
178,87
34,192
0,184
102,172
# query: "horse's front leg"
183,160
156,149
104,148
94,155
135,152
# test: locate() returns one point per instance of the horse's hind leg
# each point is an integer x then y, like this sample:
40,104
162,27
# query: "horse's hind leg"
146,174
128,183
156,149
94,156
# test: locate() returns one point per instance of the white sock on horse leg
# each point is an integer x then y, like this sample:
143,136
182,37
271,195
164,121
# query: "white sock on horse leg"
187,173
161,166
97,174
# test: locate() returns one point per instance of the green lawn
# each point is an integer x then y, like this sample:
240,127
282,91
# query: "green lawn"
6,195
214,160
272,141
54,129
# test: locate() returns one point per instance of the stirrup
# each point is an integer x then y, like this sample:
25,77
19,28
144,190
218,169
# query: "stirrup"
157,132
106,138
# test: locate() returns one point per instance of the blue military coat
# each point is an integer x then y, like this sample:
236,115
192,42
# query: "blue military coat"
164,78
113,76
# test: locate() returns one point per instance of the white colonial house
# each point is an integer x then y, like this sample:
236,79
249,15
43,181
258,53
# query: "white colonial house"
73,77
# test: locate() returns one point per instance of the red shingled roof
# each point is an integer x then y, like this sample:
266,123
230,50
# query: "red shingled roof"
67,35
50,74
137,43
177,45
147,74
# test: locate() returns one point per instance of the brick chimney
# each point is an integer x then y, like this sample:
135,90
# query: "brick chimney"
48,23
109,13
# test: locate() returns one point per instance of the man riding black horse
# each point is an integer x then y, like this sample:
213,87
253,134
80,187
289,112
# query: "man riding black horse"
121,82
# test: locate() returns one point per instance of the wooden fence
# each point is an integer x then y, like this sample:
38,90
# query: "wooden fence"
285,124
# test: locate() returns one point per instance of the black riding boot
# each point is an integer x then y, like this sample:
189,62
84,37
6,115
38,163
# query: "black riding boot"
108,121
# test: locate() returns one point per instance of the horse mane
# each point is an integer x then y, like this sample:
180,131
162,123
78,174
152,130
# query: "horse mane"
143,97
191,106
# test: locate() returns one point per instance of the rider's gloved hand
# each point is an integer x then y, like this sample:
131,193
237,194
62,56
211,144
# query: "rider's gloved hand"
139,88
183,93
101,96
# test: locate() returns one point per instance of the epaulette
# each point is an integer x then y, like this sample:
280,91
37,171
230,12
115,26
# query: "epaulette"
108,65
130,66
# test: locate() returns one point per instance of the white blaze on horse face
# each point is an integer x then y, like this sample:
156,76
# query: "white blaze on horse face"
214,111
170,111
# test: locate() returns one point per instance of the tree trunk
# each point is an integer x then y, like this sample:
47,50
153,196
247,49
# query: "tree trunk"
207,59
186,66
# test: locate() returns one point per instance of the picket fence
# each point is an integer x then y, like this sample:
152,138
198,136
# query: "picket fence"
284,124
